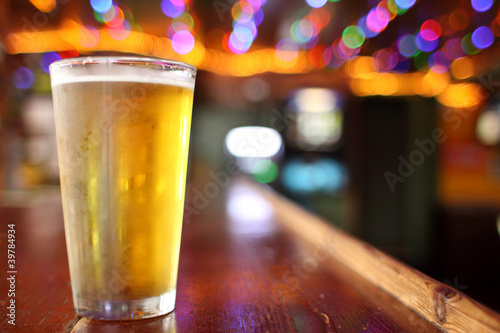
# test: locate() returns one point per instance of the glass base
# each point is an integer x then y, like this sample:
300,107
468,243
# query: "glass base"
126,309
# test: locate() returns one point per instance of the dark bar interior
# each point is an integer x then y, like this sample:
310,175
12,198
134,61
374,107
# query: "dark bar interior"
344,163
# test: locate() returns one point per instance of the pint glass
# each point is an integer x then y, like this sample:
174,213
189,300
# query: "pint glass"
122,126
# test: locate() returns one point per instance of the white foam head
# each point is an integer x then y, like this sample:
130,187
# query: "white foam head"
103,70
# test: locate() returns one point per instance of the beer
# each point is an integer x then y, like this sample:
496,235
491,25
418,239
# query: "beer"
122,146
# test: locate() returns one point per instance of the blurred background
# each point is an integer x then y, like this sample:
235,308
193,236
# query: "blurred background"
381,116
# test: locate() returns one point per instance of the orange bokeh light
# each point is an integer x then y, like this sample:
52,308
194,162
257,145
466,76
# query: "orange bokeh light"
462,68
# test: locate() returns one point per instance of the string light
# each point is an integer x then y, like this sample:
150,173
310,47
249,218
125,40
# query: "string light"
439,46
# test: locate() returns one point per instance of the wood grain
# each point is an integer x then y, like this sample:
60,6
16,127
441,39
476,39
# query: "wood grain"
438,303
242,270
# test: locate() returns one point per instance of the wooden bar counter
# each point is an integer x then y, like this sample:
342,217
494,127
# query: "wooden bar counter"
251,261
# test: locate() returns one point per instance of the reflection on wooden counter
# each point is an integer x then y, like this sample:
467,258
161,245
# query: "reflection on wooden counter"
251,261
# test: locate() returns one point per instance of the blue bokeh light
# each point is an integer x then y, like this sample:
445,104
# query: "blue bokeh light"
47,59
426,45
321,176
101,6
438,63
481,5
482,37
407,45
170,9
403,65
240,40
23,78
258,16
368,32
316,3
248,25
405,4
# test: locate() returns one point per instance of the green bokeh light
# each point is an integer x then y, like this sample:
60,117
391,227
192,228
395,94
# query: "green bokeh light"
353,36
266,171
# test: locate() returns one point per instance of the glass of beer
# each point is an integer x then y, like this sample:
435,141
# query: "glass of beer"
122,126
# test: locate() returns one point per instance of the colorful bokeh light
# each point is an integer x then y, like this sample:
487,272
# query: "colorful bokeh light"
88,36
403,65
247,16
459,20
286,49
353,36
482,37
377,19
23,78
331,57
266,171
240,40
120,32
242,11
182,42
345,52
430,30
323,175
172,8
114,17
481,5
407,45
424,44
405,4
101,6
453,49
468,46
316,3
47,59
386,59
438,62
258,16
368,32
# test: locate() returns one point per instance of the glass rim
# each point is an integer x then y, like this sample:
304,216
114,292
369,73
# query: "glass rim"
97,60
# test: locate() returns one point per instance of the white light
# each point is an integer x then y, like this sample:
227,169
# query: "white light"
488,128
498,225
317,100
253,141
249,213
